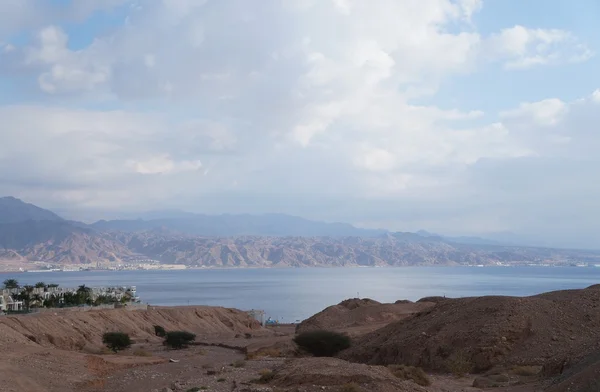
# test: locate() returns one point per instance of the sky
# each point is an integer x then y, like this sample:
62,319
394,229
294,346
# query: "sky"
461,117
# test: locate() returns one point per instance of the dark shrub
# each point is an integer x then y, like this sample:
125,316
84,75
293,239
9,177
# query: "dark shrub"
159,331
116,340
322,343
179,339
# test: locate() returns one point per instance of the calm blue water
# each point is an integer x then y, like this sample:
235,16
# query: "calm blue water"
294,294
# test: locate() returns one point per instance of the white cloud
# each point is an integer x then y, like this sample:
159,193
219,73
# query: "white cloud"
163,164
66,70
279,106
522,47
544,113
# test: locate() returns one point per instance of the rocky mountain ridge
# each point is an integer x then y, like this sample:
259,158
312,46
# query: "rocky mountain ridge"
31,234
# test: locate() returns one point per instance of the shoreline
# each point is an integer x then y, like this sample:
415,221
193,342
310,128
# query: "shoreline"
218,268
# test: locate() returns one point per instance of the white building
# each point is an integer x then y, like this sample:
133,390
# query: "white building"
7,303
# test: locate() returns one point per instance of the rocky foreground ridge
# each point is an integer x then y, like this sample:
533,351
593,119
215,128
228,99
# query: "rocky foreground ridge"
542,343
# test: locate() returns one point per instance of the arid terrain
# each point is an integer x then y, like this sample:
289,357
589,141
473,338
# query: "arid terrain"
549,342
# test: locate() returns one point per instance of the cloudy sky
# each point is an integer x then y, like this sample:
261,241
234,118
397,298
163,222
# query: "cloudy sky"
454,116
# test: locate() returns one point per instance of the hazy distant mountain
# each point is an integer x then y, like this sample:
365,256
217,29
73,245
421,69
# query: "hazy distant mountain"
14,210
29,233
240,225
399,249
464,239
58,242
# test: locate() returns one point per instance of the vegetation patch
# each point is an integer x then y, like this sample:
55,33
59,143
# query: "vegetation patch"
140,352
322,343
116,341
179,339
262,353
459,364
266,376
526,371
239,364
159,331
351,387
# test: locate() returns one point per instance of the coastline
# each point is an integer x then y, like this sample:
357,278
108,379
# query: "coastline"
280,267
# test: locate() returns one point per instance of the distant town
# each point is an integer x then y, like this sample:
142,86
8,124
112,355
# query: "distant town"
149,265
15,298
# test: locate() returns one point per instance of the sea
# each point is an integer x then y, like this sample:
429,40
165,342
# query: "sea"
293,294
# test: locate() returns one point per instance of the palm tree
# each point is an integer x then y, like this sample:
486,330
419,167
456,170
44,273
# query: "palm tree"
25,296
40,285
85,294
38,300
11,284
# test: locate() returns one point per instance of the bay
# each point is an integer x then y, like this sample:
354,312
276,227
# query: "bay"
290,295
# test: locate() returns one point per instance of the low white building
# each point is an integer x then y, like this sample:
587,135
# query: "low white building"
7,303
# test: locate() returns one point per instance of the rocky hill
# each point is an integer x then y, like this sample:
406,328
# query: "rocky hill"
58,242
29,233
389,250
552,330
13,210
228,225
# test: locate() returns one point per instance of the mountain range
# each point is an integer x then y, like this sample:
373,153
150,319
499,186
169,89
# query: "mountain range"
32,234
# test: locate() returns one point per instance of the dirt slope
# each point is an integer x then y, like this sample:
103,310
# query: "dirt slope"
360,313
320,373
583,376
76,330
480,332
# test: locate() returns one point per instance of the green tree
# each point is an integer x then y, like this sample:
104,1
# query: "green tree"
159,331
38,300
52,285
179,339
116,340
11,284
26,296
322,343
40,285
85,295
52,301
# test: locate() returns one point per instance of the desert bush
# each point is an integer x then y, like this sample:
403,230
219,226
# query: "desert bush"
179,339
194,389
159,331
140,352
266,376
239,364
459,364
266,352
415,374
322,343
351,387
116,340
221,379
526,371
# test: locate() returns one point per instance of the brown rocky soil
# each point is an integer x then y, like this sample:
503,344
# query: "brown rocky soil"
331,372
544,343
358,316
62,351
475,334
73,330
583,376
